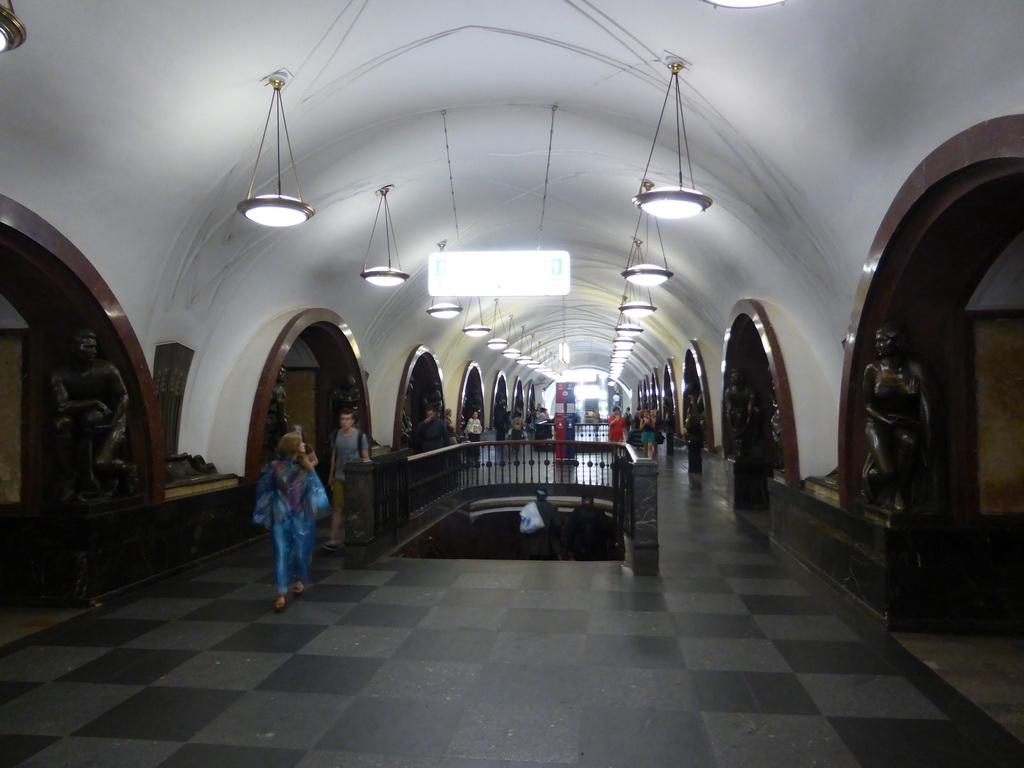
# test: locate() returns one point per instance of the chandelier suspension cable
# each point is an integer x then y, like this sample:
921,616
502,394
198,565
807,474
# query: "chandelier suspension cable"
682,142
547,176
657,131
451,178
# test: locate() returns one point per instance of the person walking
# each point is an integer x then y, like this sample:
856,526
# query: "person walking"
347,443
289,499
540,529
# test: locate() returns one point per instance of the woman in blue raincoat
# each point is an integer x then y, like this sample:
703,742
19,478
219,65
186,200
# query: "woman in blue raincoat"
289,499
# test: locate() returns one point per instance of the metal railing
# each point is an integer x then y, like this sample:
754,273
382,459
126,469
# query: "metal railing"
404,485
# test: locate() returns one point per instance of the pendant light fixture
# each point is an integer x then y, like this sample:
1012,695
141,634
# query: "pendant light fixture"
633,306
388,276
476,330
512,352
639,270
676,202
278,209
12,31
499,342
444,310
625,327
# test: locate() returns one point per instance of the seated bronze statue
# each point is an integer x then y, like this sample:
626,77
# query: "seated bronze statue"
91,404
901,398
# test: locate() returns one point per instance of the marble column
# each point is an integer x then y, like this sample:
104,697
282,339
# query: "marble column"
642,548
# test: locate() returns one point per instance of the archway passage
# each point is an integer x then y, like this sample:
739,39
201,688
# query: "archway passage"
333,374
932,251
472,395
43,270
499,399
748,394
421,388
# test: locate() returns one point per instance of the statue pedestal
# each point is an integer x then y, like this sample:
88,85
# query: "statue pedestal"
694,459
746,482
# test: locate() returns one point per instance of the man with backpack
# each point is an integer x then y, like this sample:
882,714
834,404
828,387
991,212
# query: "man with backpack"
347,443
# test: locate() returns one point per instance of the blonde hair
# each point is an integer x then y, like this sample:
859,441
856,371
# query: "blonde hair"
290,447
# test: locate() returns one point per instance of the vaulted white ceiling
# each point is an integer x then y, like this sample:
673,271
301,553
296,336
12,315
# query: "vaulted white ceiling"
132,126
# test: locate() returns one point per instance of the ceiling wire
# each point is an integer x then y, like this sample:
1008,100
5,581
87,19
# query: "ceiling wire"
547,176
451,180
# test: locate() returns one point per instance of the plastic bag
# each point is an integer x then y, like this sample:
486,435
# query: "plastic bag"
530,520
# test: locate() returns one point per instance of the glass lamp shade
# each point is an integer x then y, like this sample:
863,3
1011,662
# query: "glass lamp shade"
12,31
444,310
497,343
623,356
476,330
534,365
386,277
672,202
511,353
628,329
276,210
623,345
524,359
646,274
637,309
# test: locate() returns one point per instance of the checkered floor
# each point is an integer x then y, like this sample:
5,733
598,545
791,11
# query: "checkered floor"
729,659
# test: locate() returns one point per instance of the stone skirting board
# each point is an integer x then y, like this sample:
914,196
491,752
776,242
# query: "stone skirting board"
922,574
79,556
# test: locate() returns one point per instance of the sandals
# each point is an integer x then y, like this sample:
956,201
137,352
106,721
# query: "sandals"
299,588
280,604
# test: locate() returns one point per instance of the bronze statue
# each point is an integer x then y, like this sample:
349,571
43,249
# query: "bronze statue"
693,426
91,403
347,395
742,414
902,402
277,417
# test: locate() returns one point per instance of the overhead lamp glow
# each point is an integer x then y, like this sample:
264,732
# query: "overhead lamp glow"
743,3
647,274
511,353
524,359
628,329
671,203
476,330
497,343
444,310
12,31
275,210
676,202
278,209
637,308
386,277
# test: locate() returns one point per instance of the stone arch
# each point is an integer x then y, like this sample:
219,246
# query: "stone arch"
336,352
471,390
758,323
56,289
421,378
949,222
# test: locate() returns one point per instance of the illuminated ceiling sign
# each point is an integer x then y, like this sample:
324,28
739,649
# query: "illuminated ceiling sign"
498,273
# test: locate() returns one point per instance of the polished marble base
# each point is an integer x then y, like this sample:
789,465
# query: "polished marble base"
83,552
919,573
